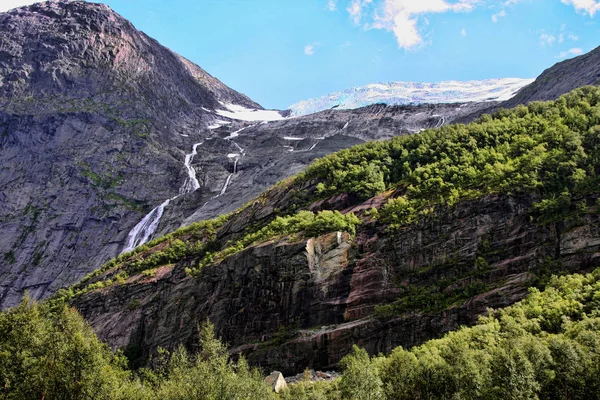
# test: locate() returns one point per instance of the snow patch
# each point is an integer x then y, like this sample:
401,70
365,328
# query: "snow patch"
235,111
292,138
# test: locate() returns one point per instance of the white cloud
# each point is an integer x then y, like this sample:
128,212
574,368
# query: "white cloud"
584,6
332,5
355,11
403,16
6,5
463,32
356,8
309,49
547,40
571,52
498,15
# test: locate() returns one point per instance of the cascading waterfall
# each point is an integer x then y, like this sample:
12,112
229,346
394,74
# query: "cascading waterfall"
225,185
236,157
191,183
144,230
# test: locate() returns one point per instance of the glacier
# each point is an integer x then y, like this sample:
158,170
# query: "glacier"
402,93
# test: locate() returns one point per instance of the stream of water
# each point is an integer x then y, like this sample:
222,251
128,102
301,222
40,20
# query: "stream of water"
144,230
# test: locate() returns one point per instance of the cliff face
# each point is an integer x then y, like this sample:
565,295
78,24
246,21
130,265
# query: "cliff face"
95,121
295,303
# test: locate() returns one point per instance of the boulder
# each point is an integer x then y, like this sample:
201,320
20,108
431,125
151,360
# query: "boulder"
277,381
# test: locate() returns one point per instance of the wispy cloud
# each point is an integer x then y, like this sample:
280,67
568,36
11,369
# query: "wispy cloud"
571,53
561,36
332,5
500,14
463,32
547,40
408,19
309,49
356,9
6,5
584,6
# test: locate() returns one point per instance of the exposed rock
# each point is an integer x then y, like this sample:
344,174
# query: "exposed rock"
276,381
95,120
561,78
292,304
313,376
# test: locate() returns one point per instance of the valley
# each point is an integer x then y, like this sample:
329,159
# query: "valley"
145,203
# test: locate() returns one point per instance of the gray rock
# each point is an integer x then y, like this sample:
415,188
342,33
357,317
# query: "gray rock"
276,381
95,121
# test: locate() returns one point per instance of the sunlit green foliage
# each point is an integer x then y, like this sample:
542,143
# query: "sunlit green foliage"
306,222
208,375
55,355
550,149
545,347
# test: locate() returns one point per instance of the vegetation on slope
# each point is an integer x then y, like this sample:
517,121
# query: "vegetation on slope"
550,150
548,346
545,347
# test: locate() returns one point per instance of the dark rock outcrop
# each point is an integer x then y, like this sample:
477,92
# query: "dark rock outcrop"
559,79
291,304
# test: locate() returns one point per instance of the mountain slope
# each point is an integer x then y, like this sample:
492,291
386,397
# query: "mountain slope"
560,79
385,244
95,122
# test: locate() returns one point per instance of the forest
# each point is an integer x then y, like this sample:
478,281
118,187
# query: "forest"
545,347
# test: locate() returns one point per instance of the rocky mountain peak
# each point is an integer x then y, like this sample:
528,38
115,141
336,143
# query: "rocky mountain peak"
96,119
85,50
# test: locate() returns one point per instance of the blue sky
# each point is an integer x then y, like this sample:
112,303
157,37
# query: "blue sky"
281,51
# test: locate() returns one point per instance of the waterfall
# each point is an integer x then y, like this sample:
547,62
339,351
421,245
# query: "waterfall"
191,183
225,185
142,232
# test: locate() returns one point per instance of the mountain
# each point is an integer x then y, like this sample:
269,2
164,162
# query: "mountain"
124,158
402,93
108,139
95,122
385,244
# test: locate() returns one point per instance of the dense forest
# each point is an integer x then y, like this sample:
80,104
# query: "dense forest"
547,346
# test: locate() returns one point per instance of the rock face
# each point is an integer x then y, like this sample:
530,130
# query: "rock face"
264,154
290,304
95,120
